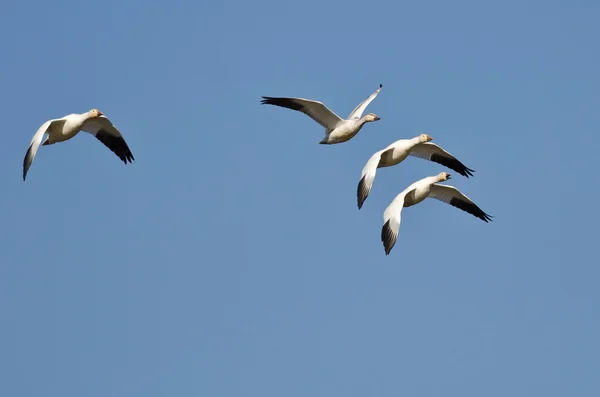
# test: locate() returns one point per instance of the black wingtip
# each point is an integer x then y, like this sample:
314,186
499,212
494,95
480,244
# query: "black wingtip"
453,164
282,102
361,193
387,237
117,145
266,100
27,162
467,172
380,85
486,218
470,208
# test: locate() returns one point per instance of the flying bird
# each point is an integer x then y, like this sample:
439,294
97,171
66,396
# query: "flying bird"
400,150
337,130
417,192
65,128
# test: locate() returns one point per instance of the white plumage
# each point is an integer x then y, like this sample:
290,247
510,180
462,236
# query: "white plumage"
397,152
337,130
417,192
65,128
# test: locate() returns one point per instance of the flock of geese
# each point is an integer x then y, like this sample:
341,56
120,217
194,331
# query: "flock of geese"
337,130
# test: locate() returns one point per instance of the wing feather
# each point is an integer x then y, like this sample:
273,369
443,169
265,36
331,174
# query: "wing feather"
432,152
360,109
367,177
391,218
109,135
34,146
313,109
451,195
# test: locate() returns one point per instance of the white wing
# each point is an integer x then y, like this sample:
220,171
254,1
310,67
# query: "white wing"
452,196
367,176
432,152
391,219
313,109
359,110
109,135
34,146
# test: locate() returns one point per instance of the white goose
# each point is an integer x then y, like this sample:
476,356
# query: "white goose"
400,150
93,122
417,192
337,130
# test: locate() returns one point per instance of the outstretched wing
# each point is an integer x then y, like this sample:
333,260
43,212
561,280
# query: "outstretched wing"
452,196
360,109
391,219
109,135
34,145
432,152
313,109
367,176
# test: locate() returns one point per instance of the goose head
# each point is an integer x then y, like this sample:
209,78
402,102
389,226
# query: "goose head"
443,176
371,117
94,113
424,138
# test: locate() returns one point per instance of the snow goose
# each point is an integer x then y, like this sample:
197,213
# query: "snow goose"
400,150
93,122
417,192
337,130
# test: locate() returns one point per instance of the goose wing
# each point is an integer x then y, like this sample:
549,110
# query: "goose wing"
391,221
360,109
35,144
452,196
109,135
367,176
313,109
432,152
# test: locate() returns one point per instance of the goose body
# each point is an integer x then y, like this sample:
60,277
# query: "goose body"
397,152
416,193
337,130
65,128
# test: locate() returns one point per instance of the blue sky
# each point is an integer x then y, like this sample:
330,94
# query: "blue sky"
230,259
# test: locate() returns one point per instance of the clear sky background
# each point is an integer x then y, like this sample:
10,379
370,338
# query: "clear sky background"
231,260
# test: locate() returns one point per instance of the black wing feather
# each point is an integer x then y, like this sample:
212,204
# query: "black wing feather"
283,102
388,237
471,209
116,144
27,161
453,164
362,192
